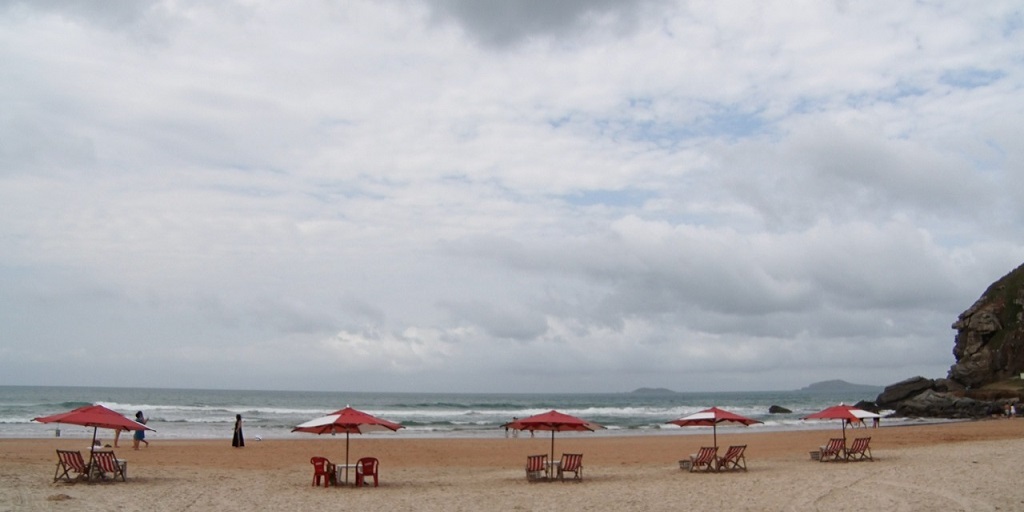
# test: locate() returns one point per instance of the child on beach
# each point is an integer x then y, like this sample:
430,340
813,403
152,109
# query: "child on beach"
140,435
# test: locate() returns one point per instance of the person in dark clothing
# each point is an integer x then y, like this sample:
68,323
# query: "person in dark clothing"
238,440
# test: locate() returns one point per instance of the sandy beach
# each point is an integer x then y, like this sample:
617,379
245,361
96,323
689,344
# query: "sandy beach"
969,466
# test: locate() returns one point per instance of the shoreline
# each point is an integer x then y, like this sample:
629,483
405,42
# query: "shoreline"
402,451
966,465
45,431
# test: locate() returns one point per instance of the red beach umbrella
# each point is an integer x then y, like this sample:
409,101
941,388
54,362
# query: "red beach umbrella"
95,416
349,421
555,422
846,413
712,418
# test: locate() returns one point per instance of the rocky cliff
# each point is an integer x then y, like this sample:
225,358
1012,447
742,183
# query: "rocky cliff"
989,352
990,334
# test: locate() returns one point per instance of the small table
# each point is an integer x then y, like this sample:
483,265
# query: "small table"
341,472
552,467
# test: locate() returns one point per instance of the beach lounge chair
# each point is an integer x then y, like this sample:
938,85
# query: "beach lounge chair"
108,465
536,467
733,460
860,450
321,468
366,466
69,462
571,463
704,460
834,451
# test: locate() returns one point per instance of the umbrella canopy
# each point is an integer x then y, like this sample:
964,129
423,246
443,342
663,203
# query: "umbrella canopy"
712,418
555,422
846,413
349,421
95,416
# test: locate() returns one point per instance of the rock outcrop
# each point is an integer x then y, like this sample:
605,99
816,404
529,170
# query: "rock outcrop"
990,334
932,404
903,390
989,348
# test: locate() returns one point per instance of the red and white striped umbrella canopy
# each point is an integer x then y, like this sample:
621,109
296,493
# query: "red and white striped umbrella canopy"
846,413
346,421
712,418
555,422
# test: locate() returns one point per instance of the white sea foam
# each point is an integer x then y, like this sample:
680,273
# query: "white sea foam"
203,414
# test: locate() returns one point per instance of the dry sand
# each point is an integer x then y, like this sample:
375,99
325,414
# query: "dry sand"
969,466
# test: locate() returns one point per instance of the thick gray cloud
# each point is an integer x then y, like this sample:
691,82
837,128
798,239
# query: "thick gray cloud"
501,196
498,23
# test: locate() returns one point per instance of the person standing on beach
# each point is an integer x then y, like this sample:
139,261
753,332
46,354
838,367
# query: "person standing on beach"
117,436
140,435
238,441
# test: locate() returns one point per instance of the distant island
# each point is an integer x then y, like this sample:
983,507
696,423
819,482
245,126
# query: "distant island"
828,386
841,386
652,391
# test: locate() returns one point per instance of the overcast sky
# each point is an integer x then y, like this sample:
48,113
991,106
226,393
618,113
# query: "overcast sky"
510,196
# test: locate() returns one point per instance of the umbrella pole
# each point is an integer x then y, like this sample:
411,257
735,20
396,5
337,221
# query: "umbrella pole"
552,451
346,458
714,433
92,451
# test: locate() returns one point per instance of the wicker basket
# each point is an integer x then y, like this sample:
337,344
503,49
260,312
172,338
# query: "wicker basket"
684,465
815,455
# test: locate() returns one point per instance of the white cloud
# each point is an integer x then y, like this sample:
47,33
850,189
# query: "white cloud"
503,196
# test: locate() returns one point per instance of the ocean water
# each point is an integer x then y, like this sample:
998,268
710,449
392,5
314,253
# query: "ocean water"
210,414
